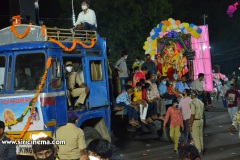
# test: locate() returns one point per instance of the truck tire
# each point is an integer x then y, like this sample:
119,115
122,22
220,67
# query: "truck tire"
90,134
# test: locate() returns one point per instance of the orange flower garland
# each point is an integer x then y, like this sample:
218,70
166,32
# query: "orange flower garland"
74,44
40,87
43,30
25,33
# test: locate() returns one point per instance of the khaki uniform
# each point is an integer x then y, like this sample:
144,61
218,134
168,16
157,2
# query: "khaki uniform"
74,141
73,82
197,108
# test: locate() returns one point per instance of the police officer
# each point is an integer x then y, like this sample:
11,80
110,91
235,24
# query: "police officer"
196,121
76,88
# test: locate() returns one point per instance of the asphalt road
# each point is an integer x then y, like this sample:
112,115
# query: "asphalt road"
219,144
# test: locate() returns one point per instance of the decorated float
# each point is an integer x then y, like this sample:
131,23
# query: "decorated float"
180,49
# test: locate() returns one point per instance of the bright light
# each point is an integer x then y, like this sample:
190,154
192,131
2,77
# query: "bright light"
204,47
35,136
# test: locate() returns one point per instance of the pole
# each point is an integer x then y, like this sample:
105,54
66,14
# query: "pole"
204,17
73,14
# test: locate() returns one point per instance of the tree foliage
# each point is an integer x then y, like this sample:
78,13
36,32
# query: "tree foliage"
125,23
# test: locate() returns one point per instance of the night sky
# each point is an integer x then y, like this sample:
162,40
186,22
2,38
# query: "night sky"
224,32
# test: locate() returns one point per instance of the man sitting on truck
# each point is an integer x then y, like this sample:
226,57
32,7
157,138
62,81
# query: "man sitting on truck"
75,86
87,18
124,100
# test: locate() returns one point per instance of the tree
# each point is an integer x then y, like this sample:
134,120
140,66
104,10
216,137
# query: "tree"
125,23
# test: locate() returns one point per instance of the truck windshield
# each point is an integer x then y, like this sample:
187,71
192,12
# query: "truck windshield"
29,69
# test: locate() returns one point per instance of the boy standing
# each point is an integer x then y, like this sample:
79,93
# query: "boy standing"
175,123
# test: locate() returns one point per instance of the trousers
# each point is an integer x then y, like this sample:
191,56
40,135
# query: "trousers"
161,107
232,111
174,135
197,134
143,111
186,132
132,114
77,92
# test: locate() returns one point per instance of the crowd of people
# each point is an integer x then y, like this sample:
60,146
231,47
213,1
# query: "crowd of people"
145,91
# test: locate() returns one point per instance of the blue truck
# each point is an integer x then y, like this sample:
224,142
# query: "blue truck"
25,50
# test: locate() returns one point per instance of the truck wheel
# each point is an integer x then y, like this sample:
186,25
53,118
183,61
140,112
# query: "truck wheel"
90,134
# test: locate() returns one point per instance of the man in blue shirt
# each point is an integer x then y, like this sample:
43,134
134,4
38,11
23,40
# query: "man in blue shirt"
162,89
181,85
124,100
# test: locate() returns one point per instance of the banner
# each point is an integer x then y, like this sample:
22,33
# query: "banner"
202,59
16,110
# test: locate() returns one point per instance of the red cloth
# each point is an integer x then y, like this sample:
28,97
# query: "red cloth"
170,73
159,67
233,94
144,94
137,76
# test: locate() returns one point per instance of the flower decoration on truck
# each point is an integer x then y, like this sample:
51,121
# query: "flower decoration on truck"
74,44
43,28
25,33
34,100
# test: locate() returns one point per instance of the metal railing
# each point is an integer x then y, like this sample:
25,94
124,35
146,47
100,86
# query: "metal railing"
70,34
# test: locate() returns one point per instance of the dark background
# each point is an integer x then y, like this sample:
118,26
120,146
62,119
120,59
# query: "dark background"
126,24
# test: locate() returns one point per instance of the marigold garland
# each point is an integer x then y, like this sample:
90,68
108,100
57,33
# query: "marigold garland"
43,30
25,33
74,44
18,119
33,101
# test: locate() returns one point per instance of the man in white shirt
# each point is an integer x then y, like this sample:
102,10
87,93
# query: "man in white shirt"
87,18
202,93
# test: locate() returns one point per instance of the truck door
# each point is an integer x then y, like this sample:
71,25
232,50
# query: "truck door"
3,60
97,81
57,88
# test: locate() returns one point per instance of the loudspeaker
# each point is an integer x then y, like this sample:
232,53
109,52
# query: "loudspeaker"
27,9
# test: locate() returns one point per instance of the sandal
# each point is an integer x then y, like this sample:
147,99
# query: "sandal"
149,120
132,123
161,118
143,121
118,108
